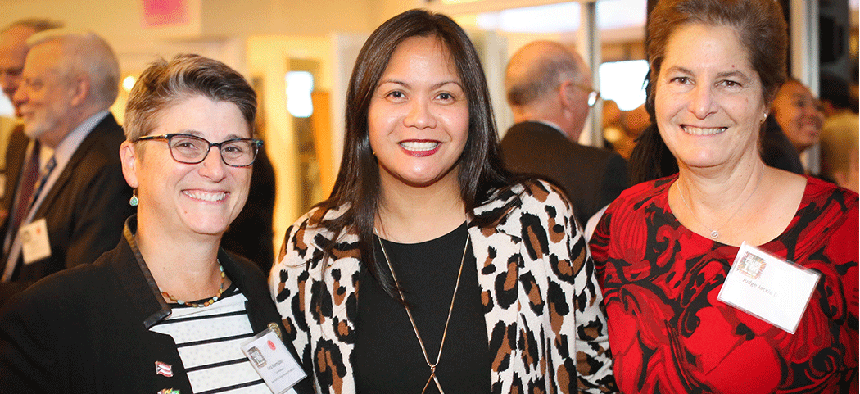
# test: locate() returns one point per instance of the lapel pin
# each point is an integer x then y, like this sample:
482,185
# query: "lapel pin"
163,369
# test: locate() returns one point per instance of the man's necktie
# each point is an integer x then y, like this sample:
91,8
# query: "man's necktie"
46,173
26,188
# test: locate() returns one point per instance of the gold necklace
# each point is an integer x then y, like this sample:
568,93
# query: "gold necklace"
714,233
432,366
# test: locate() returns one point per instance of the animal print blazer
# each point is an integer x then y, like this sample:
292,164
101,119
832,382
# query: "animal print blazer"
545,324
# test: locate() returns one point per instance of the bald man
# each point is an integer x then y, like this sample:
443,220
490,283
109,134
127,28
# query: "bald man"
549,90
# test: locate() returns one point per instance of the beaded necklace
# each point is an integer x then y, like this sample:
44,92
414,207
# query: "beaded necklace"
205,303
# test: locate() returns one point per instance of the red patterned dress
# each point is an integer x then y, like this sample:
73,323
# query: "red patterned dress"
670,334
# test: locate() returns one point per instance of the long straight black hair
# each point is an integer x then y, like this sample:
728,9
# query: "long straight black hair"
357,187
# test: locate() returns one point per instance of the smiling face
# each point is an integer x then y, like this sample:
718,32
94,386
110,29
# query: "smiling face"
418,118
709,101
46,96
201,198
798,114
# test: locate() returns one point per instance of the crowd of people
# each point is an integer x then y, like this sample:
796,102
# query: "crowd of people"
445,258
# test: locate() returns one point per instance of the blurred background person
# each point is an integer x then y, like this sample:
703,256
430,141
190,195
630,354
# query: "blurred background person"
614,131
13,141
632,123
798,113
549,90
72,199
839,133
251,235
664,249
167,309
469,282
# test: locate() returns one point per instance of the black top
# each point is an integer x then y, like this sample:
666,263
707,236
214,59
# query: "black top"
387,356
86,329
777,150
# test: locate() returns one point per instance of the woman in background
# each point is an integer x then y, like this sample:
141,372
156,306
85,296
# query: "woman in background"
428,269
798,113
665,249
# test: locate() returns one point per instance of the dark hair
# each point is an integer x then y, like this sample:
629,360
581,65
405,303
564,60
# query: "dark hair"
164,84
762,30
835,90
357,186
650,159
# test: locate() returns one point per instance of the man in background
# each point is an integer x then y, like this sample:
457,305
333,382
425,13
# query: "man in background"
72,207
13,142
549,90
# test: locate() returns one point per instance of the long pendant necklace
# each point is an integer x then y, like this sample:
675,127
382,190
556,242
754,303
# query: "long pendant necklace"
433,365
714,233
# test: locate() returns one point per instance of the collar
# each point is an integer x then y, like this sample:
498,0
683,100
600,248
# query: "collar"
137,280
67,147
550,124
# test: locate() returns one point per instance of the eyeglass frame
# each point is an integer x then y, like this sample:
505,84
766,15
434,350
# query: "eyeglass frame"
256,143
593,94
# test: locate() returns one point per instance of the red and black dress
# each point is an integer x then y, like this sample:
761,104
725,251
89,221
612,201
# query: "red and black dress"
670,334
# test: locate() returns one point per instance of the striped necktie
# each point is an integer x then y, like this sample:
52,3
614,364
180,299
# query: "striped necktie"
46,173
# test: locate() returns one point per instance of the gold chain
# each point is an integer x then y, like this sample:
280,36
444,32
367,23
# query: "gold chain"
432,366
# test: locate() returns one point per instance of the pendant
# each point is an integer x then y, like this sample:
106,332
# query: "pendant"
715,234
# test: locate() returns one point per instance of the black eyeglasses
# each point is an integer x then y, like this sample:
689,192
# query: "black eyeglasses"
593,95
191,149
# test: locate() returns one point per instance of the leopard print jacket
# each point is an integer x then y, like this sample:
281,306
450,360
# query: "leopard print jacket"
545,324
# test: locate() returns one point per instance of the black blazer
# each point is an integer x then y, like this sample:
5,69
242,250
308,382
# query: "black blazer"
591,177
84,210
16,150
86,329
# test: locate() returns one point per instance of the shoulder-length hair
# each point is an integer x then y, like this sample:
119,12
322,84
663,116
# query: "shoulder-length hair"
358,186
762,31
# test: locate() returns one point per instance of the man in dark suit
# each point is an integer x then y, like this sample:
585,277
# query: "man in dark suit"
549,90
13,52
76,208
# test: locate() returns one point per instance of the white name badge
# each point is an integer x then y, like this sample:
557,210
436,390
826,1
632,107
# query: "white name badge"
34,241
768,287
275,364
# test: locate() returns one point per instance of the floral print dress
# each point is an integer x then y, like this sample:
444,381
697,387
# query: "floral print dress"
670,334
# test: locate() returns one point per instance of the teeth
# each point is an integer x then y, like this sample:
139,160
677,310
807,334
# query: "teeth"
206,196
700,131
419,146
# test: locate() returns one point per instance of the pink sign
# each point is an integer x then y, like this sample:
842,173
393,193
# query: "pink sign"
165,12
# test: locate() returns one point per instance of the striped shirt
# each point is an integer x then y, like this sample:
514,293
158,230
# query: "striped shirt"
209,340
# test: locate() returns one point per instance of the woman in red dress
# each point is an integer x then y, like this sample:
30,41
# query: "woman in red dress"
664,249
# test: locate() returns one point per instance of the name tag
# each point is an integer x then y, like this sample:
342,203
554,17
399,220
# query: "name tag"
275,364
34,241
768,287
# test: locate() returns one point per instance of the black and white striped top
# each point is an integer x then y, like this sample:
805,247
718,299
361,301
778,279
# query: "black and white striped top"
209,340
